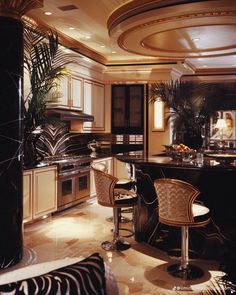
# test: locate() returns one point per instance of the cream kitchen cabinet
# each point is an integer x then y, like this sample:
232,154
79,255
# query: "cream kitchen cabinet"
69,94
40,192
108,163
76,100
94,104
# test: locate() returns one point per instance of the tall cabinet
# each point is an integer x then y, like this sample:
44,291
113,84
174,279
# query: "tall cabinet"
128,109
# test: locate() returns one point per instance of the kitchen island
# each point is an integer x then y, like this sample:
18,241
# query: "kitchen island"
215,180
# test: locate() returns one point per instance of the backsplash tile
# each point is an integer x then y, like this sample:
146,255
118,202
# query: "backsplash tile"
56,140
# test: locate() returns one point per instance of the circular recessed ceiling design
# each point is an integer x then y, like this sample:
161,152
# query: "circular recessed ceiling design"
176,29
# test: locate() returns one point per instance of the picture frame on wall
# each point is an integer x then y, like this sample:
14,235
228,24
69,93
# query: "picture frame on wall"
229,132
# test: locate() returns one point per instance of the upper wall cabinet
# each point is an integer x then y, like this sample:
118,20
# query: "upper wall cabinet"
94,104
70,94
128,109
76,93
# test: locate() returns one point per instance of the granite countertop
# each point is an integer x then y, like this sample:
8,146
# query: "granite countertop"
43,163
210,161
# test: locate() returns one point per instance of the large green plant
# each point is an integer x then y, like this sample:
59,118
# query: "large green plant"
190,104
45,63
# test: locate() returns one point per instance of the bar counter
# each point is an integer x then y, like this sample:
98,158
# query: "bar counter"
217,184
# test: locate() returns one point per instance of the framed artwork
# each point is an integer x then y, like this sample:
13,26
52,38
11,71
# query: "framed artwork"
227,133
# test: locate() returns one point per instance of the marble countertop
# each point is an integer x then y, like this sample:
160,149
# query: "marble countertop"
209,162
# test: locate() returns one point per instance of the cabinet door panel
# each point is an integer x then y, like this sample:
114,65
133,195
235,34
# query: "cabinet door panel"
88,103
76,93
94,104
118,107
136,109
64,91
45,192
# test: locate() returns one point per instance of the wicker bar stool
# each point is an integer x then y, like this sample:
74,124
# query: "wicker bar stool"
122,183
109,196
177,208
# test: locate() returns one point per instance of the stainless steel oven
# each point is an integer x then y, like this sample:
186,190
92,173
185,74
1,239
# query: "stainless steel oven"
73,180
82,183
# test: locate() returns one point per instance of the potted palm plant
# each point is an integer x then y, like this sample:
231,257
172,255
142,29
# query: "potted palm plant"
45,63
190,106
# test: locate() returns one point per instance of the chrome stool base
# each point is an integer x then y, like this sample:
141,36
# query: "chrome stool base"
122,220
192,272
125,229
115,246
128,230
175,253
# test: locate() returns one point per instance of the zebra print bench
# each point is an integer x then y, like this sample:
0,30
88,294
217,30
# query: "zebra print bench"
89,276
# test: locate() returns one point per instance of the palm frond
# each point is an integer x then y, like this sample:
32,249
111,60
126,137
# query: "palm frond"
192,103
46,64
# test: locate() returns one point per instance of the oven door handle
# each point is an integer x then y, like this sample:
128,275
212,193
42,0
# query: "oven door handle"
85,170
69,173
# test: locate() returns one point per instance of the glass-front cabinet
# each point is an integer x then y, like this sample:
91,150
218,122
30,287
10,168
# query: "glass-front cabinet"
127,109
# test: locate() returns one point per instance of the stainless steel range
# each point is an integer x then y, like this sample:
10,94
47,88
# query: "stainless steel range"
73,179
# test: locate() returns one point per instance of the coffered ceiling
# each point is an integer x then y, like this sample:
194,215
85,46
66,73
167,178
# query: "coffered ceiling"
200,35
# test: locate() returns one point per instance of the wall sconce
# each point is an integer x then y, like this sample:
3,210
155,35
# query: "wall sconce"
158,116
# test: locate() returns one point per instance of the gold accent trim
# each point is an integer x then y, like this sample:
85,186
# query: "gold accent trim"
145,45
131,9
17,8
121,39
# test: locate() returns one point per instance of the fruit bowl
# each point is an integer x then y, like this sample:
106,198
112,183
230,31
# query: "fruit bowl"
180,152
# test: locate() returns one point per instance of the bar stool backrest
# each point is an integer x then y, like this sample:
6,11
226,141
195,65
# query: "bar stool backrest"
175,199
104,184
100,166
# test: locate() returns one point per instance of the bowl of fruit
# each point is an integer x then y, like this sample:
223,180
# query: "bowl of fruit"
181,152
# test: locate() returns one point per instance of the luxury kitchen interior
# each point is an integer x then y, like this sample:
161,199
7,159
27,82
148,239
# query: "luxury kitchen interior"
118,147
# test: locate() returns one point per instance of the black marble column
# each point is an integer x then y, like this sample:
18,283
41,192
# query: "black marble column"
11,188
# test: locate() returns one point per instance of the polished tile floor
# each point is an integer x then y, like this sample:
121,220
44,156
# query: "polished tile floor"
79,232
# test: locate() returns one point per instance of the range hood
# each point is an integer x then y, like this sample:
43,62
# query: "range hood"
69,115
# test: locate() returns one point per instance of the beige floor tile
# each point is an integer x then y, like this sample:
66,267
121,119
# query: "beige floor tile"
78,232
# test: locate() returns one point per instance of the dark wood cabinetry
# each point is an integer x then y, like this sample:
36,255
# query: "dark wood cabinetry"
128,109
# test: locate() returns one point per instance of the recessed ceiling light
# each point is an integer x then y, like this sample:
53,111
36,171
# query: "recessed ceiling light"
102,46
113,51
87,37
195,39
48,13
71,28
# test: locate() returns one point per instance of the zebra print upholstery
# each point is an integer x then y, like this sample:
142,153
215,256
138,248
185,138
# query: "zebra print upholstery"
85,277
